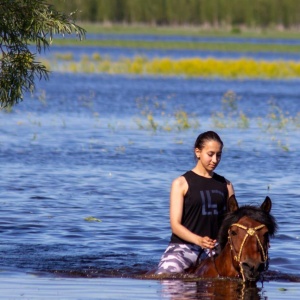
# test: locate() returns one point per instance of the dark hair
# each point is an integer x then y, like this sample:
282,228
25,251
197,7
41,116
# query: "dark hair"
205,137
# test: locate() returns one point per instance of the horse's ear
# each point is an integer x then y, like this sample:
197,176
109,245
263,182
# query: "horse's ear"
266,205
232,204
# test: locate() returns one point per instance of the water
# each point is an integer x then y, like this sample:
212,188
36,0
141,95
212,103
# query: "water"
185,39
116,53
81,147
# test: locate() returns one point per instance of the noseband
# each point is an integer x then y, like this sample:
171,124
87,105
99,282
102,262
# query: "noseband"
249,232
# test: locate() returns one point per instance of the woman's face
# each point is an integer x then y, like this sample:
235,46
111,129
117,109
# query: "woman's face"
210,155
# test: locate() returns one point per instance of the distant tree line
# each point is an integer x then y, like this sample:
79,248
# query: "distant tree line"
250,13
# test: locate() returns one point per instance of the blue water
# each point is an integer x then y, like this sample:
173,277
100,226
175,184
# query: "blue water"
81,146
188,38
116,53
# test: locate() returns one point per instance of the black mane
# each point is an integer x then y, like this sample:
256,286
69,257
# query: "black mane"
253,212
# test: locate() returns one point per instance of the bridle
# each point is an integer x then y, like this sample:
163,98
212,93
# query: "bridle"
249,232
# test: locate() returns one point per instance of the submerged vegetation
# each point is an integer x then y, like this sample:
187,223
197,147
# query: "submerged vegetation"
153,116
230,115
190,67
275,125
156,115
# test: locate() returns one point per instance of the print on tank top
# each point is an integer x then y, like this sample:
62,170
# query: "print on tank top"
208,207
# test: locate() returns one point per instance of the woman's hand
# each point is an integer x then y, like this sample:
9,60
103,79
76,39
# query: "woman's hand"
206,242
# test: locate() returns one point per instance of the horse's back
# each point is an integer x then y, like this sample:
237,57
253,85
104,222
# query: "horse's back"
205,269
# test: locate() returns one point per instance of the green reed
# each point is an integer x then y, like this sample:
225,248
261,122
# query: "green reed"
275,125
230,115
154,116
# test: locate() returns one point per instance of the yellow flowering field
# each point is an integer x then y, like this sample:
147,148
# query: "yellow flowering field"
191,67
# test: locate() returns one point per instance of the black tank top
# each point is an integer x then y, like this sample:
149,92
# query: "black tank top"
204,205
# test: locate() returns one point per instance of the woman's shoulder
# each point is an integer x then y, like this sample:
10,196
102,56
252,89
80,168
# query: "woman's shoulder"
219,178
179,180
180,183
182,178
226,181
222,179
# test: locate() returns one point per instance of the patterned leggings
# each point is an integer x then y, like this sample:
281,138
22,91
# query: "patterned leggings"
179,257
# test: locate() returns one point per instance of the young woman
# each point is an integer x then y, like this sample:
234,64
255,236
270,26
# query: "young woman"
197,203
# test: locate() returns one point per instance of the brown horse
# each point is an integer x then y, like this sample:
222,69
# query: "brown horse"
244,242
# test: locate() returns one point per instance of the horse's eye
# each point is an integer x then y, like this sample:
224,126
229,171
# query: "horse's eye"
233,233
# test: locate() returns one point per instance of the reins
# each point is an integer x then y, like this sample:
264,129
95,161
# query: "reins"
249,232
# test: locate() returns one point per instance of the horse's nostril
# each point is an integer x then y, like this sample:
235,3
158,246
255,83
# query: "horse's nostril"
247,267
253,270
261,267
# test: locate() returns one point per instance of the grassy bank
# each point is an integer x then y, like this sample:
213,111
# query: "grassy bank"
184,31
195,31
226,47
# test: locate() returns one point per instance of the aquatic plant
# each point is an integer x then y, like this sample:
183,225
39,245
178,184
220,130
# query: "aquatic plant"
87,101
185,121
243,121
34,137
230,115
120,149
182,120
276,123
154,116
151,122
96,56
64,56
92,219
42,97
277,118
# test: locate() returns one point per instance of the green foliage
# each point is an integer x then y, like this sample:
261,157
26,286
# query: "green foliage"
216,13
24,23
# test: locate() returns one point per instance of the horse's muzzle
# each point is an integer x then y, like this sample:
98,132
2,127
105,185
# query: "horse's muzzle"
252,272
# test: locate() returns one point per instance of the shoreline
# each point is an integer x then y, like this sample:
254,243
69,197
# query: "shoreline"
113,31
229,47
189,30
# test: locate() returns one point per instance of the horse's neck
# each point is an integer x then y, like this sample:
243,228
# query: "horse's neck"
224,263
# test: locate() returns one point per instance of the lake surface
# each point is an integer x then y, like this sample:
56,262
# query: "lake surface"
116,53
119,53
85,181
191,38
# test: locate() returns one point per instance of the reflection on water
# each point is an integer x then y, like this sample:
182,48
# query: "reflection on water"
216,289
39,286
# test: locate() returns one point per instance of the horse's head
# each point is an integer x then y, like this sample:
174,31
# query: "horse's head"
247,230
